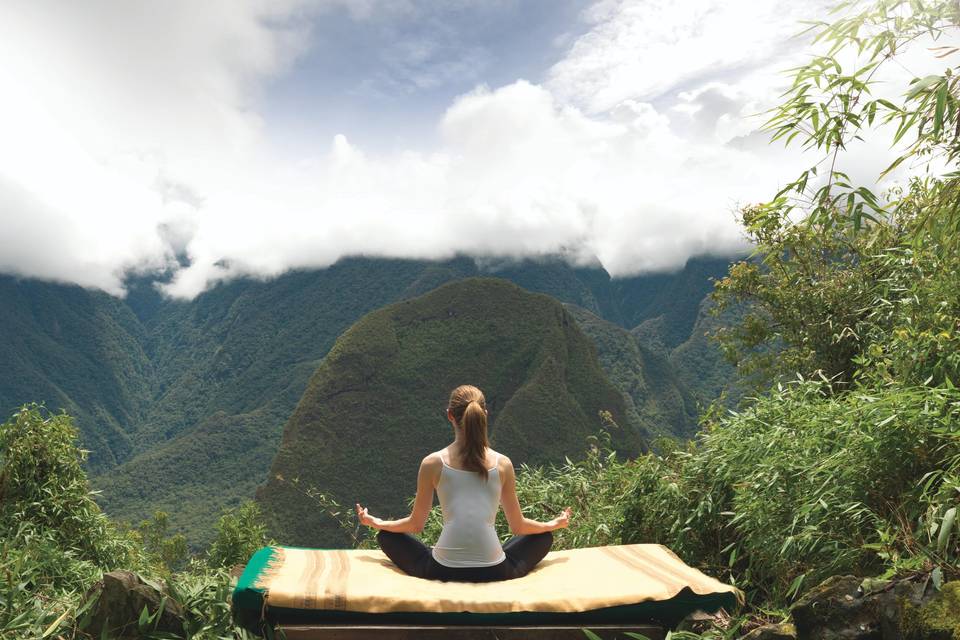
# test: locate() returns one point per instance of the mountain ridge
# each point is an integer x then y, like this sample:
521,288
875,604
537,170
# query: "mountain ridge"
245,349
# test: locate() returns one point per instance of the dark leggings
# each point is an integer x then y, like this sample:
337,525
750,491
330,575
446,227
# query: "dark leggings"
414,558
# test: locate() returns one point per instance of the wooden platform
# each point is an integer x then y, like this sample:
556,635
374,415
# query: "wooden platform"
397,632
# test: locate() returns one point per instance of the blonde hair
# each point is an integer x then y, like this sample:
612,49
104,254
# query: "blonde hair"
469,410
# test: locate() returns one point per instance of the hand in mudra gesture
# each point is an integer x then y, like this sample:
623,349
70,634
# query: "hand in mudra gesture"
563,520
366,519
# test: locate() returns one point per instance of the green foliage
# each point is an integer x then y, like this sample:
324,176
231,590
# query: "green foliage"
163,551
41,584
827,302
44,490
801,486
806,297
832,102
55,543
54,540
205,596
240,532
820,290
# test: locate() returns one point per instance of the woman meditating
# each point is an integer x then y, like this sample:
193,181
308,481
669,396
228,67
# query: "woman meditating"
472,481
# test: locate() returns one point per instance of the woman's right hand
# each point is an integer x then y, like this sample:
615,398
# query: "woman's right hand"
563,520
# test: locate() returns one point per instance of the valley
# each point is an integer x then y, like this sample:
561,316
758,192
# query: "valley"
182,404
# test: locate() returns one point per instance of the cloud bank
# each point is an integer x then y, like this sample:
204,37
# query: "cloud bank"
131,134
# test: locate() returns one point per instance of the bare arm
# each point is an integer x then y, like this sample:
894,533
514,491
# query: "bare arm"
427,479
520,525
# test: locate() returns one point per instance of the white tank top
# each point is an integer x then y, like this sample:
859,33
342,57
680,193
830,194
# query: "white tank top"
469,506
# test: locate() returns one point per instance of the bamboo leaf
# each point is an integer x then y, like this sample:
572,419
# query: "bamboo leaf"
946,528
921,85
938,112
56,623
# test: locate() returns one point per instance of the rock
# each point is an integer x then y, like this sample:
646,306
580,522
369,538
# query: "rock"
840,609
121,597
833,609
783,631
696,622
937,619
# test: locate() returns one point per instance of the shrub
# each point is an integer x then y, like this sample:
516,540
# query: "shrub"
240,532
44,490
802,485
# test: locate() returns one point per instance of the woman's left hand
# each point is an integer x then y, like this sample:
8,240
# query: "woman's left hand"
367,519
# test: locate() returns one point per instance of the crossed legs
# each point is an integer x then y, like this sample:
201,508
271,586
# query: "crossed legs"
414,558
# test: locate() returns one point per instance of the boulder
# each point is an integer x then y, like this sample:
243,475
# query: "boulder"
850,608
120,598
937,619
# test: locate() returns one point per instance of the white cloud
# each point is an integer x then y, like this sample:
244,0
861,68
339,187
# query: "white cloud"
131,133
642,50
104,103
517,174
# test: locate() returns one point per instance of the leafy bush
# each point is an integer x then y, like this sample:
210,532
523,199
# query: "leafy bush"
54,540
240,532
55,543
163,552
44,490
801,485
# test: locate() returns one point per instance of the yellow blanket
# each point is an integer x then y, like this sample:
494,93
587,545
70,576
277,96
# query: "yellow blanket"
564,581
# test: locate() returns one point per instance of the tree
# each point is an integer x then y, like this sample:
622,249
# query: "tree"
825,247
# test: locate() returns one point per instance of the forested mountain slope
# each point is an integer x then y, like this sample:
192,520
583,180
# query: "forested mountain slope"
182,402
79,350
377,404
656,396
234,362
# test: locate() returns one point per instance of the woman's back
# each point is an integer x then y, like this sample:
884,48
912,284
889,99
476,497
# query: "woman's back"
473,481
469,504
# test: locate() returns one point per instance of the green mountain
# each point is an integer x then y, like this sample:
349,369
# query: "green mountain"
79,350
232,365
698,362
656,396
376,405
182,404
664,307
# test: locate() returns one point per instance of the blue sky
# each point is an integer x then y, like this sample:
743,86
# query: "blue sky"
258,136
386,78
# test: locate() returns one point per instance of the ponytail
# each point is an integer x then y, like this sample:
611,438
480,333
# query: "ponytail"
475,439
469,410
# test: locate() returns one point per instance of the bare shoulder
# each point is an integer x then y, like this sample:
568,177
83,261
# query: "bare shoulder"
503,462
432,460
430,468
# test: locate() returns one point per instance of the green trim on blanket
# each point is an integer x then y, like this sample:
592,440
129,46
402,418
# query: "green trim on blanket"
247,596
